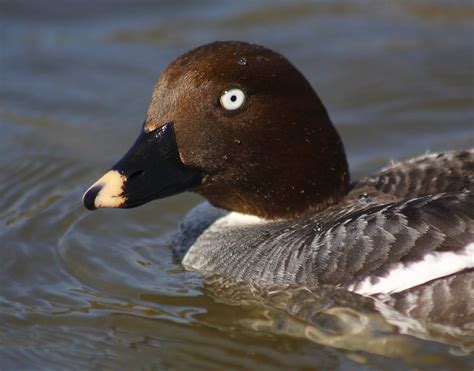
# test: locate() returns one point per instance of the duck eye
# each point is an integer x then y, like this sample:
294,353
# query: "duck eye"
232,99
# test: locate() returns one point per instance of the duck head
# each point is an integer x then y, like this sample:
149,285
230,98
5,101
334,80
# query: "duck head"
238,124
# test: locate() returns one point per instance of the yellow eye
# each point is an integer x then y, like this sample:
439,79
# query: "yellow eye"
232,99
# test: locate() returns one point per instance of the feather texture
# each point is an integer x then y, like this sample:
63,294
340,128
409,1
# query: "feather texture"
414,219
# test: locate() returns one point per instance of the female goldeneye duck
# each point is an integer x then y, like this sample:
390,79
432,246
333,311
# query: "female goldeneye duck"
269,160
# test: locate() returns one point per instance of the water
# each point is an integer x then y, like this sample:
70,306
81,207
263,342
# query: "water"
101,290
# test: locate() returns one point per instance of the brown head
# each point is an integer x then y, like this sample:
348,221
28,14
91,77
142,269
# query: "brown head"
250,134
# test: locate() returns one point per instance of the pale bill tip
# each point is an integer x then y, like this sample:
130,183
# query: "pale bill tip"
111,192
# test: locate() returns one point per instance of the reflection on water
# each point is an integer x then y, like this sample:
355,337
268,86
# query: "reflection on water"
101,290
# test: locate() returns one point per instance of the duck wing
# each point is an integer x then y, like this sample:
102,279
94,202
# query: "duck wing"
366,248
384,249
451,171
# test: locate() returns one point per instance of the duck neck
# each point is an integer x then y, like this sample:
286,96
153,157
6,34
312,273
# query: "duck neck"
289,188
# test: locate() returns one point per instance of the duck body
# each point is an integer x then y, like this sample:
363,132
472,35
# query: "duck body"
238,124
400,219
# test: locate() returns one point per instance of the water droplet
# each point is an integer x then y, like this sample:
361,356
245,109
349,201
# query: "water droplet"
302,191
224,158
242,61
237,141
317,227
364,197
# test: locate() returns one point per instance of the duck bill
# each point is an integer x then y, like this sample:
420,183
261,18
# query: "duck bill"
150,170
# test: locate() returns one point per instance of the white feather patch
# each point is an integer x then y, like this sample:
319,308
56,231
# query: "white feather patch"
235,219
402,276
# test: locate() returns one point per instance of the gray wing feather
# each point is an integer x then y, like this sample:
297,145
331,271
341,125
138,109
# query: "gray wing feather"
451,171
347,247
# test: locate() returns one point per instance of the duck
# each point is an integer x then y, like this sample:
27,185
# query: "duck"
239,124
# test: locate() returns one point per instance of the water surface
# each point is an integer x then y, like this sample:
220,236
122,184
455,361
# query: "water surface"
101,290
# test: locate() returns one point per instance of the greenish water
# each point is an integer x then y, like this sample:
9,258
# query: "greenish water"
101,290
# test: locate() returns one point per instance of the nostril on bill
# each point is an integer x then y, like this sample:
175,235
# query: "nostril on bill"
90,196
136,174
